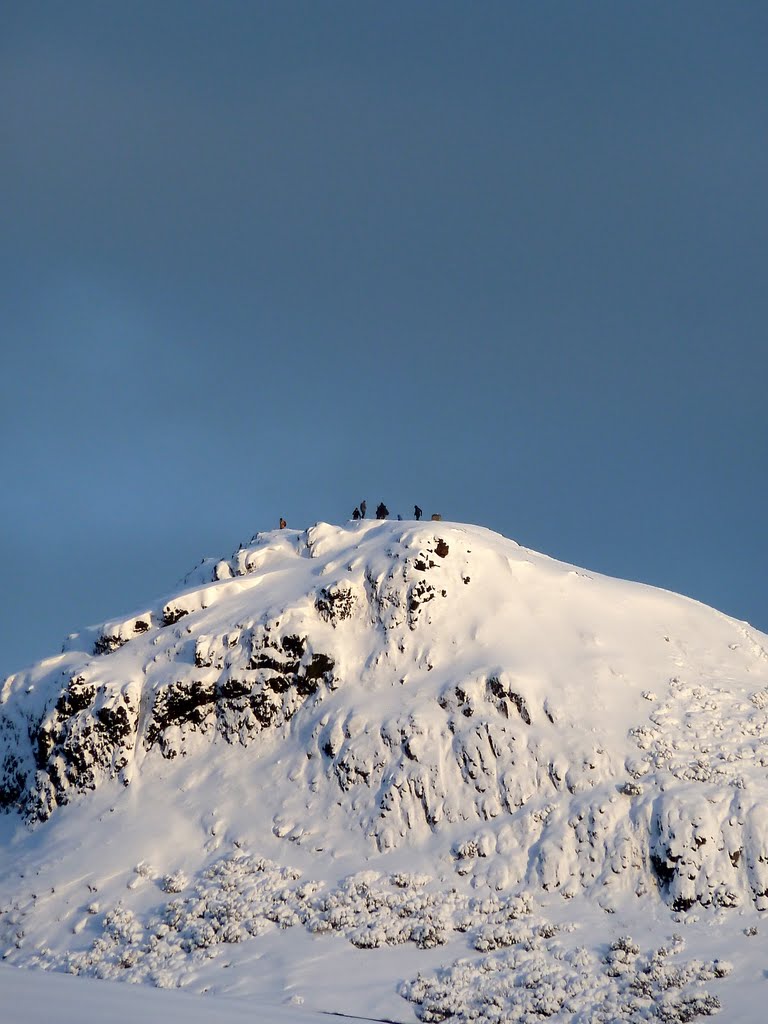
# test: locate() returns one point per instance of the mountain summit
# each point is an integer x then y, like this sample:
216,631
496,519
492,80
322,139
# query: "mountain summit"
413,693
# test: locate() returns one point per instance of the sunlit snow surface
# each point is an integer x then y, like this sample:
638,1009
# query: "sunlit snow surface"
395,769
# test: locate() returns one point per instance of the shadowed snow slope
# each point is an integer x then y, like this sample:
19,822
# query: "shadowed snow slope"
423,695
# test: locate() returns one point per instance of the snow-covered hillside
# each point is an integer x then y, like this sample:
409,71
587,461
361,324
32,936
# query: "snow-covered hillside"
417,738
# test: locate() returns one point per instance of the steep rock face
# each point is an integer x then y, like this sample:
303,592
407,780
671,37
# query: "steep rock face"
93,727
242,682
89,734
561,729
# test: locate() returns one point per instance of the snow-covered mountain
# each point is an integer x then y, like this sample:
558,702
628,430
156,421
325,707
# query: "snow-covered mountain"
420,737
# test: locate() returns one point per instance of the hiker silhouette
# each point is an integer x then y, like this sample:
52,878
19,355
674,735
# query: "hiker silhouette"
382,511
417,512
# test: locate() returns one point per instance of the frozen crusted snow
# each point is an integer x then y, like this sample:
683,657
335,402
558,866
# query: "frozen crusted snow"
467,727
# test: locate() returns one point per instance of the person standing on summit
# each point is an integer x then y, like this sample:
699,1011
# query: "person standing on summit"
363,507
382,511
417,512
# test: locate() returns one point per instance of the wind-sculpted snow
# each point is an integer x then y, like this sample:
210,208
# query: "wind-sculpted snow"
389,687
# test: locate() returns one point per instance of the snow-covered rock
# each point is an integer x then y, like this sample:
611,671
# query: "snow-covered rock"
396,691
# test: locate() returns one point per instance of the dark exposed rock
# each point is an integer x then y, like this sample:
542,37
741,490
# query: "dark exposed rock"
630,788
441,548
294,646
107,644
44,743
172,613
265,692
233,688
78,696
12,774
682,903
274,662
502,697
204,655
335,604
663,869
420,593
182,703
321,666
88,735
242,682
521,706
12,780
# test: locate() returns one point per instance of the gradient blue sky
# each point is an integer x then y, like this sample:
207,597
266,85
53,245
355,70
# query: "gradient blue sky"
504,260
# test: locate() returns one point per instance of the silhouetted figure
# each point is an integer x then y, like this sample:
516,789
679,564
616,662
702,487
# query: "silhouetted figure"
417,512
356,513
363,507
283,523
399,518
382,511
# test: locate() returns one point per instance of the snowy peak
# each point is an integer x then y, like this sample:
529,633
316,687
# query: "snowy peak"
553,726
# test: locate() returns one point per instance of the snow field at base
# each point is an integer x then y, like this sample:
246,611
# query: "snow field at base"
373,742
29,997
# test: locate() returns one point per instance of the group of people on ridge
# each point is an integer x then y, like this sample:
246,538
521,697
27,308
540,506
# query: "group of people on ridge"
381,512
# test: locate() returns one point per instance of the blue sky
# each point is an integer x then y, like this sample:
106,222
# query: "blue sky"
503,260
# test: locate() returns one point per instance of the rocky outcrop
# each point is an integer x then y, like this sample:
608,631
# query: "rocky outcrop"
90,734
251,680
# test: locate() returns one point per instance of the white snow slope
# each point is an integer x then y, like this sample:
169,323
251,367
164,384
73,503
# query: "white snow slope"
397,770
